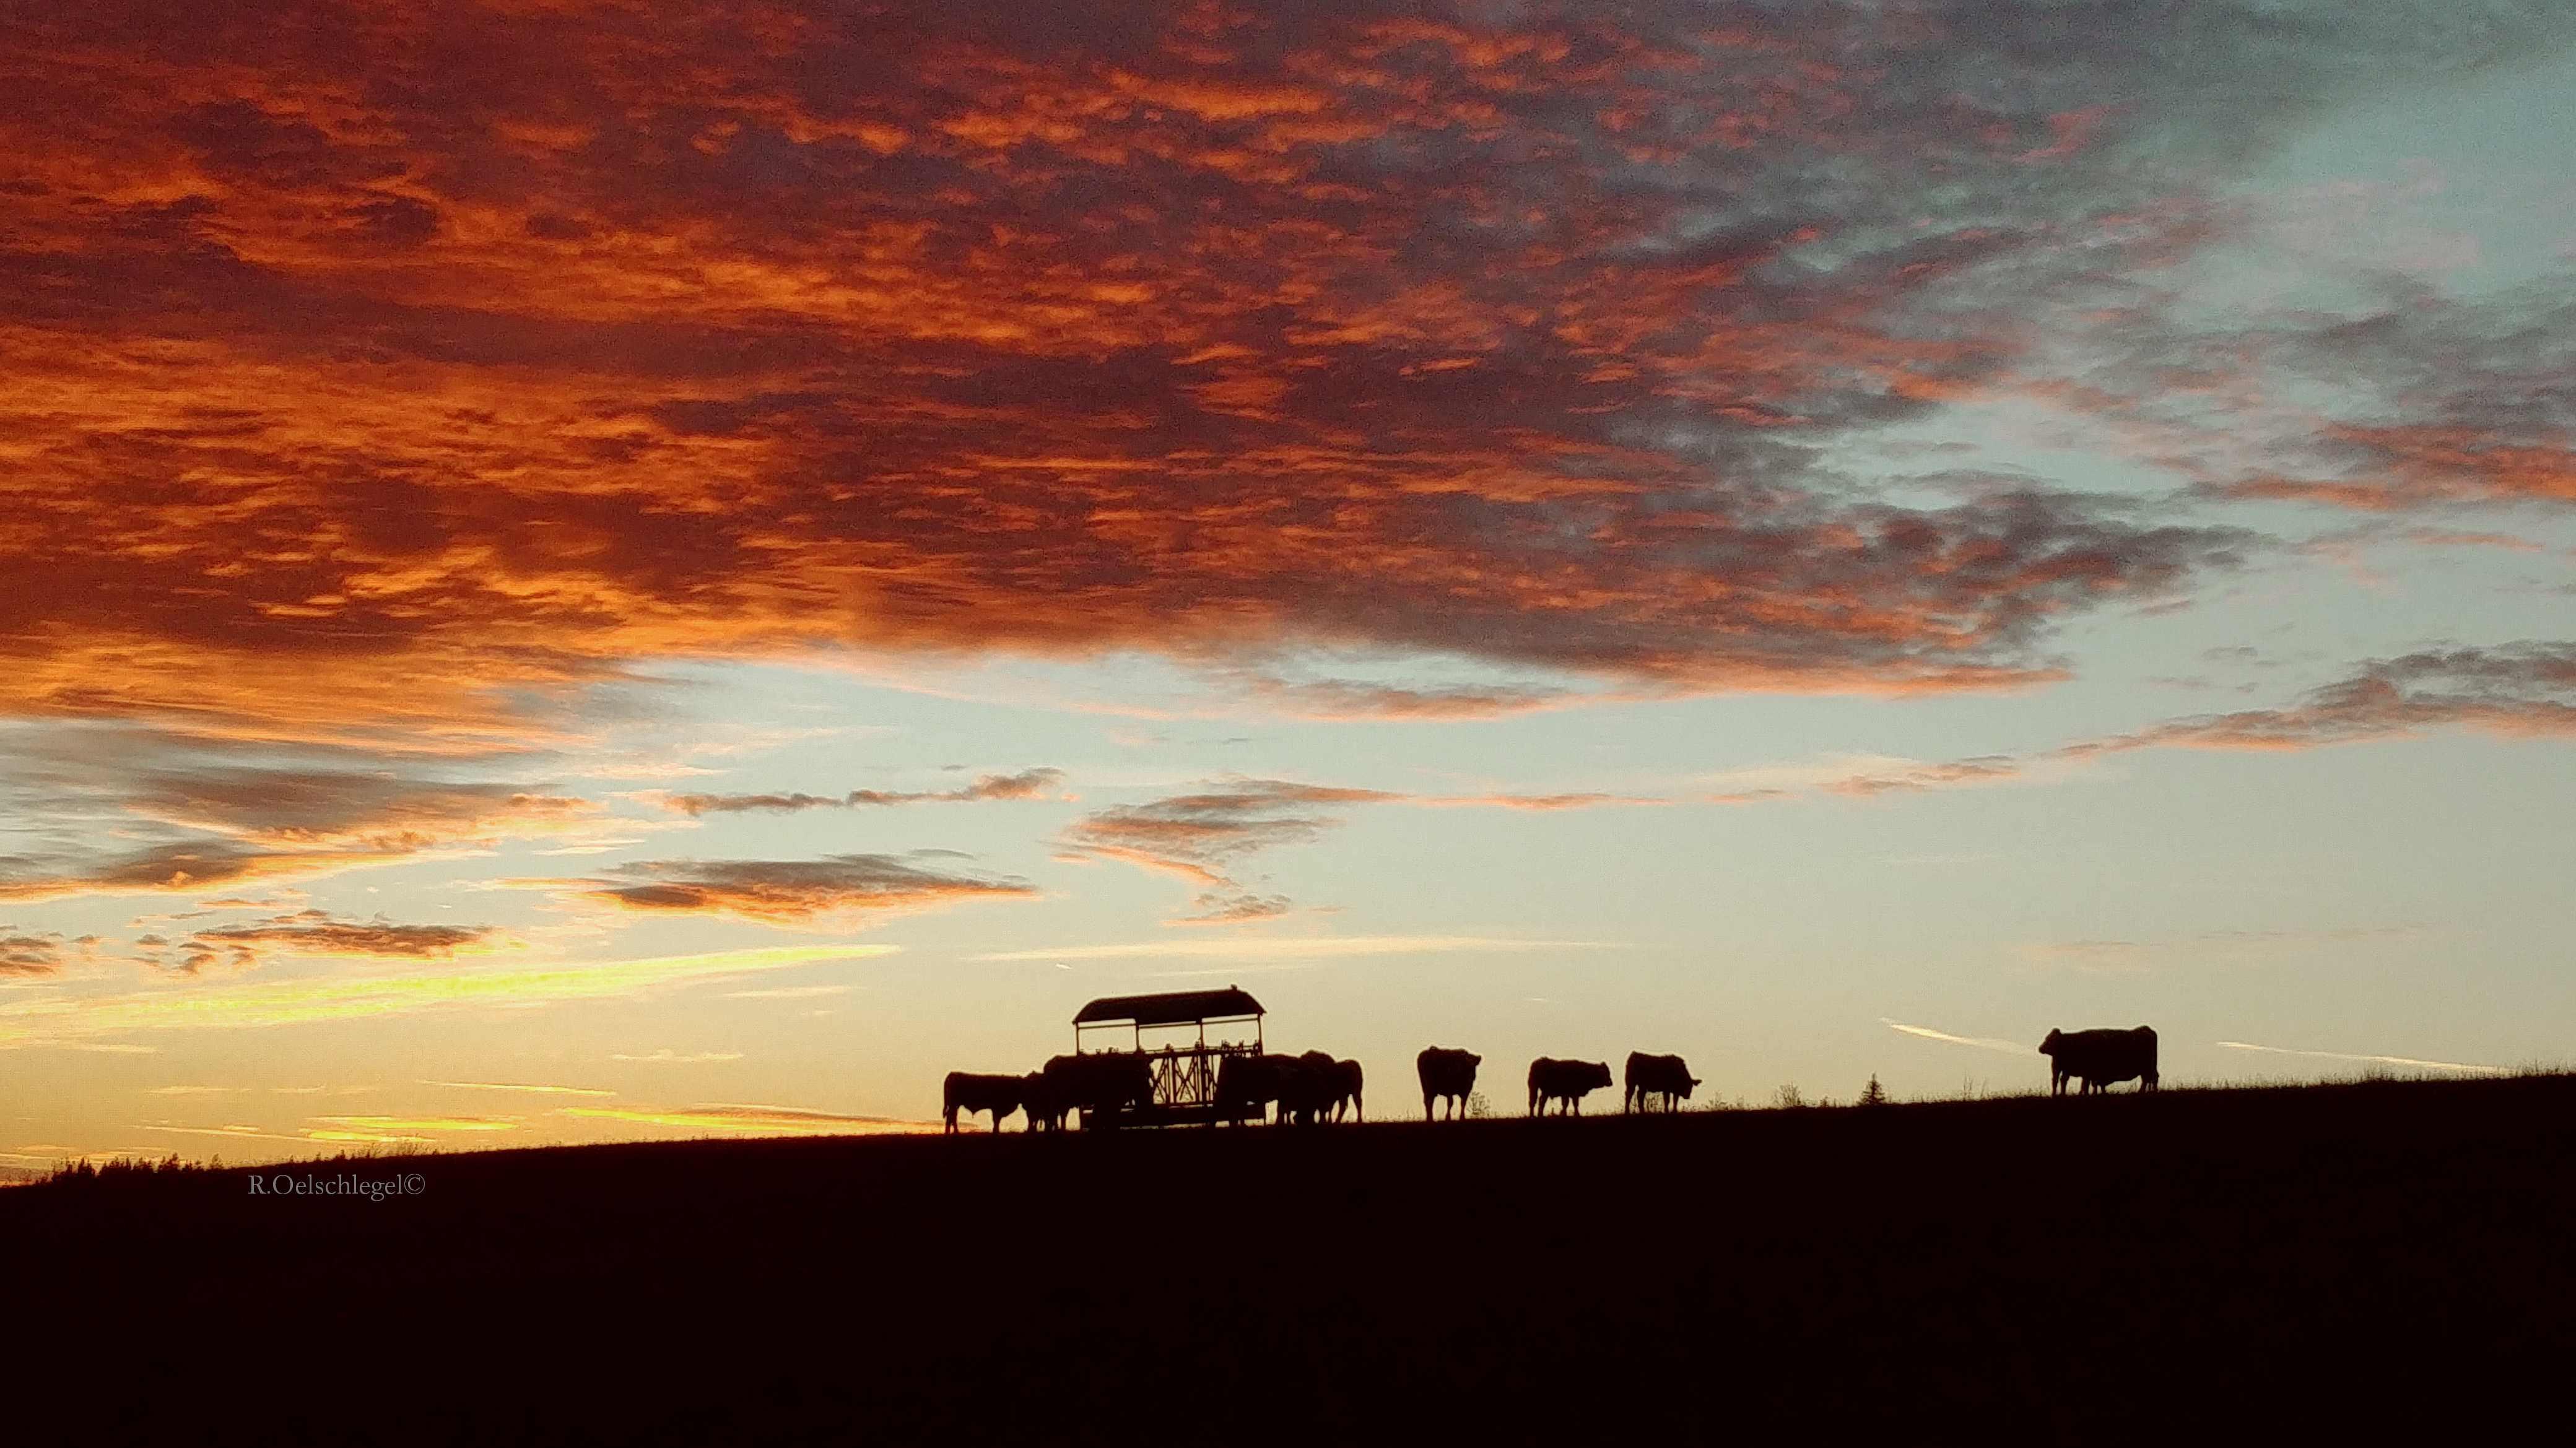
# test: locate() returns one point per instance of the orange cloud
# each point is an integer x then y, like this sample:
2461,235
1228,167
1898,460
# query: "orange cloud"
29,954
310,933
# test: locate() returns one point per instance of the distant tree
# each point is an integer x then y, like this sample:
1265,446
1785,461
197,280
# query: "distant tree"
1873,1094
1790,1098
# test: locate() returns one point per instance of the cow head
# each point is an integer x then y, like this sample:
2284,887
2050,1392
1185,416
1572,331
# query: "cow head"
2049,1046
1597,1073
1473,1061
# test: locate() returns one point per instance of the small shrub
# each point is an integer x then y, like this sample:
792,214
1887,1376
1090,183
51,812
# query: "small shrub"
1477,1106
1789,1098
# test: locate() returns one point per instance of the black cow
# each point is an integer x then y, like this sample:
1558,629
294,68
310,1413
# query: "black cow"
1309,1085
1657,1080
1102,1085
1046,1108
968,1092
1245,1087
1566,1081
1448,1076
1348,1080
2099,1060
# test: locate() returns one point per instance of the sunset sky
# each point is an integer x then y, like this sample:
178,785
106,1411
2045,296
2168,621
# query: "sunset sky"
582,572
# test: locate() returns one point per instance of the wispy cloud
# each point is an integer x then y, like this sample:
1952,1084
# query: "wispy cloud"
1204,835
1027,784
534,1090
667,1057
1314,948
2462,1067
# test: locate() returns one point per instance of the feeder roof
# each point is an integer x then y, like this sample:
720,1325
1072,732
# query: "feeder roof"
1173,1008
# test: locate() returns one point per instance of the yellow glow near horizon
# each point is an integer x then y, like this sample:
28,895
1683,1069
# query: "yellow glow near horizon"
277,1003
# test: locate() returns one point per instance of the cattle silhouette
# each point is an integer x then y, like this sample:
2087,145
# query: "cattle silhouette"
1044,1104
1653,1080
969,1092
1447,1075
1565,1081
1101,1085
1309,1086
2099,1060
1248,1086
1348,1080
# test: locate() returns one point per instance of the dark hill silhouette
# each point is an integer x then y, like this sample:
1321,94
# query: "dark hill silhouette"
2177,1268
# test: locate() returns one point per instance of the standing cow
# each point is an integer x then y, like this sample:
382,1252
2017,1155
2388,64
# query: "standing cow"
1657,1080
968,1092
1448,1076
1348,1079
2099,1060
1565,1081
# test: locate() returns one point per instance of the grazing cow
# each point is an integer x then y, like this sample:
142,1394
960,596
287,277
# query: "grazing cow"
1309,1084
968,1092
1045,1107
2099,1060
1654,1080
1448,1076
1101,1085
1566,1081
1246,1085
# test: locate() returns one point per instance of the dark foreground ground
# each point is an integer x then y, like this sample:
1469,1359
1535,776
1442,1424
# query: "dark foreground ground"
2194,1267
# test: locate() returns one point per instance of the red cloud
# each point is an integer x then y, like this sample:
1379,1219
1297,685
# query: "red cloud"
383,379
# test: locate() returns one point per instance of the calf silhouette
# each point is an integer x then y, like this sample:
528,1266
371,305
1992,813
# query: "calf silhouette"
1654,1080
968,1092
1565,1081
1448,1076
2099,1060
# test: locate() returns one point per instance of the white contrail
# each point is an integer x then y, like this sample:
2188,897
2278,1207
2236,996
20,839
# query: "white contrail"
1316,948
1983,1043
2465,1066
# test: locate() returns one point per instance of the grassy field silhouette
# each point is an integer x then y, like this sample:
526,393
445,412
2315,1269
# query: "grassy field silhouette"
2179,1267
